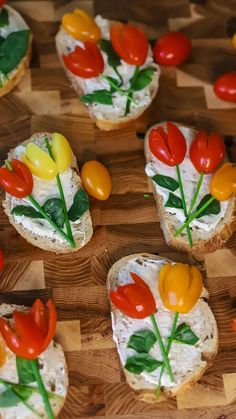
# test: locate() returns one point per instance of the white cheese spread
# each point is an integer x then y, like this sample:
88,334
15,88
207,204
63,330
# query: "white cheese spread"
184,359
141,98
189,176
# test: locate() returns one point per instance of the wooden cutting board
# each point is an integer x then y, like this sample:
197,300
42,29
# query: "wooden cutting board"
127,223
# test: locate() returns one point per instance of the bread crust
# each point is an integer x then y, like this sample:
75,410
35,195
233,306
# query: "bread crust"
20,70
148,395
46,243
224,230
107,124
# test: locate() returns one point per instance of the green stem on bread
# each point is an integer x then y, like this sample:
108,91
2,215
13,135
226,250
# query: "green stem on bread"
162,348
199,184
51,395
10,387
170,340
60,188
194,215
184,204
128,102
123,92
41,387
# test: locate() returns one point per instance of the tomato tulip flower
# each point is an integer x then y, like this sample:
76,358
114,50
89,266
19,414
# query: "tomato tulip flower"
33,331
206,153
81,26
17,182
85,62
136,300
130,43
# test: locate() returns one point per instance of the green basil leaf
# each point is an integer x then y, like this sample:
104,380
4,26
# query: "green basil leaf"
54,207
24,370
99,96
4,18
142,362
184,334
212,209
23,392
166,182
26,211
174,201
112,56
13,49
142,341
143,79
79,206
9,398
1,40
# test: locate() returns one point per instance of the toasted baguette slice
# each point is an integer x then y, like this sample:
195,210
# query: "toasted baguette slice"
15,76
188,362
208,232
38,232
53,370
105,121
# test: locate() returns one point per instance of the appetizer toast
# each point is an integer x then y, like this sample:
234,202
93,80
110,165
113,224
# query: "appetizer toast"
210,230
15,49
188,360
107,104
28,222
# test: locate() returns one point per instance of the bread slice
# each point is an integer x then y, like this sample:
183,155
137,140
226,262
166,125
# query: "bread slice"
208,233
15,76
53,370
38,232
105,117
188,362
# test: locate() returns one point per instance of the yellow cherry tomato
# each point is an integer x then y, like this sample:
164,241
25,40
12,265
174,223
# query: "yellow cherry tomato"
96,180
223,182
61,152
3,354
179,286
39,162
234,41
81,26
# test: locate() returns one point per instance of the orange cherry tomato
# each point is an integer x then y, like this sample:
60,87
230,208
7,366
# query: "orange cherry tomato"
225,87
81,26
3,354
172,49
96,180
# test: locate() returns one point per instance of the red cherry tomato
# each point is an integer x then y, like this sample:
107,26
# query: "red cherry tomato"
172,49
225,87
207,151
130,43
2,2
1,260
85,62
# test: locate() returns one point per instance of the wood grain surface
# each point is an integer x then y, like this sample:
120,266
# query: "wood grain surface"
127,223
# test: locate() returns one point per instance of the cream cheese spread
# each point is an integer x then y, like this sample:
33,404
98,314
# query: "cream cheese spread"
141,98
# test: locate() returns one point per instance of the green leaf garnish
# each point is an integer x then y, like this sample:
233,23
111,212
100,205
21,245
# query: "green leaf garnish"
9,398
141,362
23,392
4,18
54,208
166,182
212,209
142,341
13,49
142,80
27,211
184,334
112,56
24,370
174,201
79,206
99,96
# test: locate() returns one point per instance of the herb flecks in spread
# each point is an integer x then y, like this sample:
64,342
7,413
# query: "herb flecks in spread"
102,58
27,336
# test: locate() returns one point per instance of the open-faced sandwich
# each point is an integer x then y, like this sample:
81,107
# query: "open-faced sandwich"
44,199
166,334
33,371
110,65
195,199
15,47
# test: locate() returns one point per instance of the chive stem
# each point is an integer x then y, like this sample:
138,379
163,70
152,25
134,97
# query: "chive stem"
34,389
194,215
123,92
43,392
162,348
130,92
184,204
199,184
10,387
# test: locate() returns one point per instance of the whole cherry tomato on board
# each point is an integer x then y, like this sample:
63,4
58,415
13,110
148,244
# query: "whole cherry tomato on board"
1,260
96,180
172,49
130,43
85,62
225,87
